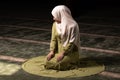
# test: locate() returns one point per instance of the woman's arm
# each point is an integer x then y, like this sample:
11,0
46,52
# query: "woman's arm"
53,39
52,44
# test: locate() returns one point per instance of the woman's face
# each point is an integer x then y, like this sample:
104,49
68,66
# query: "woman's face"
58,21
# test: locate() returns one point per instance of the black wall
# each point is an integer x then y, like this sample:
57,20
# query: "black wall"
78,7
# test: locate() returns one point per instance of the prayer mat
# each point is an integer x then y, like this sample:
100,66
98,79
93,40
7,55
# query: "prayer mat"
88,67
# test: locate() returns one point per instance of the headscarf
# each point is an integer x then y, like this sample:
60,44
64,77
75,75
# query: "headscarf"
68,29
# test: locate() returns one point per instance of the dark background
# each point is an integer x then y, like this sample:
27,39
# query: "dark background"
78,7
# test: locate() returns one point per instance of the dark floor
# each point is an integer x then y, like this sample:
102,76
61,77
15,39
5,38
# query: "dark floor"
25,33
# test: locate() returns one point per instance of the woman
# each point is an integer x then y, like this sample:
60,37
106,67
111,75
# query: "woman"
65,40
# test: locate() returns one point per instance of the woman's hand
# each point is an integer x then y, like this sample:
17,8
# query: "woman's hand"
50,55
60,57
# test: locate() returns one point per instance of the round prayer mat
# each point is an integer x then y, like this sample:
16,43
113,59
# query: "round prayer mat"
36,66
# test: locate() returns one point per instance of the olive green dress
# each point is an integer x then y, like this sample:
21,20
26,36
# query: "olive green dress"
70,59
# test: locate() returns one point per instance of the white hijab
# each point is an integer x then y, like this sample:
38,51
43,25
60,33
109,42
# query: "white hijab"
68,29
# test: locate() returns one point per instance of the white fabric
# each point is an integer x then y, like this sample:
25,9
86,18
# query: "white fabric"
68,29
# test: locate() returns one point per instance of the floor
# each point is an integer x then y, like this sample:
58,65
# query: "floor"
26,34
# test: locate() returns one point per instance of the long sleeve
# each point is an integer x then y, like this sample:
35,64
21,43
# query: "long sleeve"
53,38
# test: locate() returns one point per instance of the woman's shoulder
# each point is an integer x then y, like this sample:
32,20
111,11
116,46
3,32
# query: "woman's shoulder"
54,24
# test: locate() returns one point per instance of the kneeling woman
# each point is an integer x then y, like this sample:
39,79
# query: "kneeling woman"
65,41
